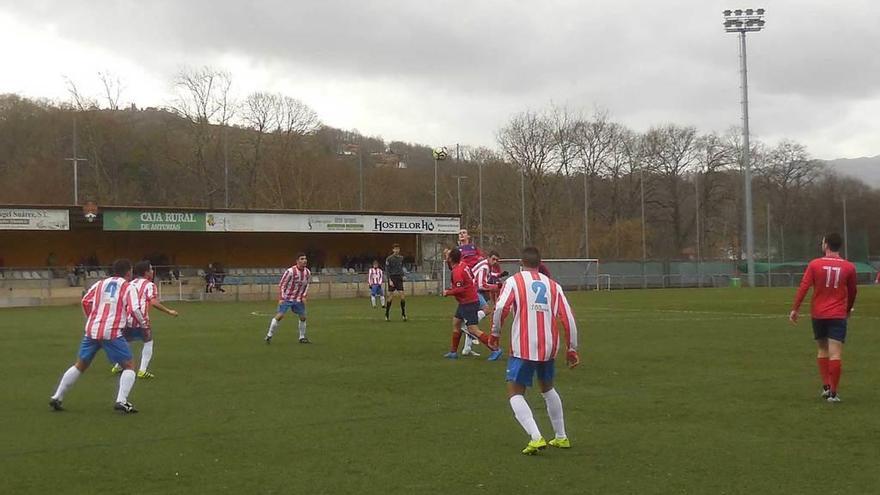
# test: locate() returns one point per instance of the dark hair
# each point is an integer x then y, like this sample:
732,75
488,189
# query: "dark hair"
531,257
455,255
834,241
121,267
141,268
300,255
395,245
494,253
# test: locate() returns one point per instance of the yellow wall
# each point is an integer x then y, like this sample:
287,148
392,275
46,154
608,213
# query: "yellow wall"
32,248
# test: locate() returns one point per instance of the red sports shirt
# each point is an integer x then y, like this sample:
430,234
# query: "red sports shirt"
833,280
463,287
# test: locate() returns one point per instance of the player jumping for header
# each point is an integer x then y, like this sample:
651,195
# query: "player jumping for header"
465,292
537,303
833,280
293,290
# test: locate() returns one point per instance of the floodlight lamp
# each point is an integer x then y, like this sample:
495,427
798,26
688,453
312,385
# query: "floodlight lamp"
750,11
760,11
738,12
727,13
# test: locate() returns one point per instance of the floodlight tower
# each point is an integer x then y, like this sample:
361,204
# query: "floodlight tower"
744,21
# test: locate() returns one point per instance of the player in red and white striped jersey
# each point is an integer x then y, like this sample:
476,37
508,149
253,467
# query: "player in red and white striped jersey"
148,296
107,305
538,304
293,291
833,280
375,279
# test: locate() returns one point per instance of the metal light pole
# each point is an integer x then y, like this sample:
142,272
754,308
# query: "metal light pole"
361,177
845,234
226,165
480,180
697,221
743,21
435,183
522,185
644,243
458,179
586,217
75,159
769,270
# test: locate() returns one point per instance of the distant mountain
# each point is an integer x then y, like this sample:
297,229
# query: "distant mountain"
866,168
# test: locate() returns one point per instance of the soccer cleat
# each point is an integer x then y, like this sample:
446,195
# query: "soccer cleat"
833,397
55,404
470,352
451,355
304,340
535,446
826,391
495,355
386,318
268,339
116,369
146,375
560,443
125,407
404,317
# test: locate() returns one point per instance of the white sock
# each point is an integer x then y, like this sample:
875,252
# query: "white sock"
373,301
523,414
126,381
554,410
67,379
480,315
302,329
146,355
273,325
382,300
467,340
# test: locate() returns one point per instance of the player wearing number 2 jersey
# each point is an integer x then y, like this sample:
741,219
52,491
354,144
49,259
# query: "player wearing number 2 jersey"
833,280
107,305
537,304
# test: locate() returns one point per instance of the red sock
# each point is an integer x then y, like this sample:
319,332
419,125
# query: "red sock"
485,340
834,373
823,370
456,339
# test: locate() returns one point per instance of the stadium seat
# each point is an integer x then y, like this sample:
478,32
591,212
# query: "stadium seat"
93,274
37,275
102,273
27,275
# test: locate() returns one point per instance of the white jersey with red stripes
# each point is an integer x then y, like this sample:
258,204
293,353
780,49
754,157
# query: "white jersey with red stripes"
107,305
481,275
294,284
375,276
146,294
538,305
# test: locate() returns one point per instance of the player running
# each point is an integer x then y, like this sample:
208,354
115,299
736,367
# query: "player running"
833,280
537,303
394,268
148,296
106,305
293,291
375,278
465,292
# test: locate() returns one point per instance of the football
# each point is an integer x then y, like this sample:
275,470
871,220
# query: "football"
441,153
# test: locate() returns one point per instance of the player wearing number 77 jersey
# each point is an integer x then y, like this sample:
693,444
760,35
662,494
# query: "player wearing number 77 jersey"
107,305
833,280
537,304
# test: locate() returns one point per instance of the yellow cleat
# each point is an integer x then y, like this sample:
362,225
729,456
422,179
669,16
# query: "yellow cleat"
535,446
145,375
560,443
116,369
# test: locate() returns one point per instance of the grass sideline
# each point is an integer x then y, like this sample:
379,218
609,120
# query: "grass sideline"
680,391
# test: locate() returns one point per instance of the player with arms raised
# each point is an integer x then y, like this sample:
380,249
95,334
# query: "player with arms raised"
148,296
107,305
293,291
537,304
833,280
465,291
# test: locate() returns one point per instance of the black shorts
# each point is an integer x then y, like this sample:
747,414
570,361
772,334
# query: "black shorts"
468,313
396,283
830,329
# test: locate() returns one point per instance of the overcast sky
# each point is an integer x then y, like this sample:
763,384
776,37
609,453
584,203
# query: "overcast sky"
443,72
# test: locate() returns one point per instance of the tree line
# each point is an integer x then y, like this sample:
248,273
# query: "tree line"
592,187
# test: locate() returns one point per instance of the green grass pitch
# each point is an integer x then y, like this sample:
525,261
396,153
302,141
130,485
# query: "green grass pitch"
680,391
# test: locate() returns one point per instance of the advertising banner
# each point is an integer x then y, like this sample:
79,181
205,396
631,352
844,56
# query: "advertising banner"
134,220
329,223
34,219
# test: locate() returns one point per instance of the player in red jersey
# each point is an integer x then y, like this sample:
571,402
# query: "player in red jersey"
833,280
538,304
465,292
107,305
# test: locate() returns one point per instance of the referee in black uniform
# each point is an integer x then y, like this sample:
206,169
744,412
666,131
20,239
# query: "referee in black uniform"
394,270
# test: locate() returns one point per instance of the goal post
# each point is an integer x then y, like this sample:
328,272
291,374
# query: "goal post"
570,273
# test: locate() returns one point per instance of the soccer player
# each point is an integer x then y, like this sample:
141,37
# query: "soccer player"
481,272
537,303
394,268
472,256
148,296
465,292
375,277
106,305
833,280
293,291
